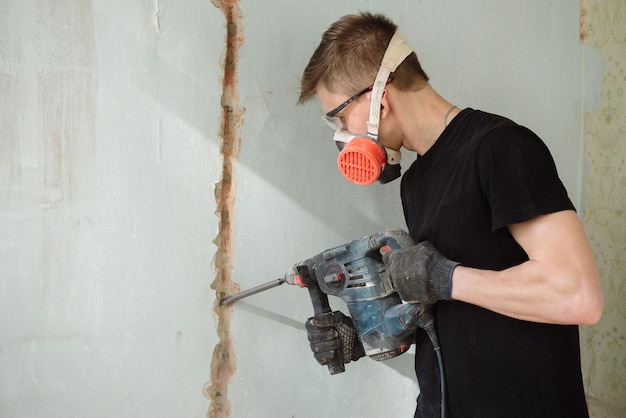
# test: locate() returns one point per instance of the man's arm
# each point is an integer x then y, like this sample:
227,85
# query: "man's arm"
559,283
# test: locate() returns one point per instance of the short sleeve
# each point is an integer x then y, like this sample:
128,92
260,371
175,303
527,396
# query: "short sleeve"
518,177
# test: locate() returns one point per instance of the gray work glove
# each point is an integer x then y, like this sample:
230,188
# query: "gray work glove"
331,332
420,273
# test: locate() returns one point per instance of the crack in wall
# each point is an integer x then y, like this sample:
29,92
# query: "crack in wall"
223,365
583,21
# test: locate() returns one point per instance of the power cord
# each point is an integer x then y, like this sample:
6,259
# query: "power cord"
432,334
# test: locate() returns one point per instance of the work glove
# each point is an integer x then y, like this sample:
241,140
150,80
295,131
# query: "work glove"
420,273
330,332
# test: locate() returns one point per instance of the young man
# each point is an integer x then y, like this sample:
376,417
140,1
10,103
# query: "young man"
501,257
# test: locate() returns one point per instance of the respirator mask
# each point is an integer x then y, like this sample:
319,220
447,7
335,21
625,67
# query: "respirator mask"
363,159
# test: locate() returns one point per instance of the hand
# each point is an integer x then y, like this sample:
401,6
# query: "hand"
420,273
331,332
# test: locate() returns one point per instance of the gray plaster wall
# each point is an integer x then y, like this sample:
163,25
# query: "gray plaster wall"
109,157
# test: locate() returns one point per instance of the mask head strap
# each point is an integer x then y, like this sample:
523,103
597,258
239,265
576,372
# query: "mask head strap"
397,50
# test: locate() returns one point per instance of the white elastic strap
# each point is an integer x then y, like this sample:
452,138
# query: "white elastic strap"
397,50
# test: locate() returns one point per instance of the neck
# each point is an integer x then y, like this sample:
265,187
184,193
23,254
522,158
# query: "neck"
423,116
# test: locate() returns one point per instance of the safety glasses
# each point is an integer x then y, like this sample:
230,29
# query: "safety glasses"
333,121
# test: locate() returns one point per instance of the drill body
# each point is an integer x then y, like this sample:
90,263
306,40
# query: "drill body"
355,273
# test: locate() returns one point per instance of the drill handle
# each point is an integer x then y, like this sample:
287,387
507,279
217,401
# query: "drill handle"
319,301
301,276
390,239
336,363
321,307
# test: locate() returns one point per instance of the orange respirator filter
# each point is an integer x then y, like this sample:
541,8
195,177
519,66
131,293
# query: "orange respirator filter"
361,161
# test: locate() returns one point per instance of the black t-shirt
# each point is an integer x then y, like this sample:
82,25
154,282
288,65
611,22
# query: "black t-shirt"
486,172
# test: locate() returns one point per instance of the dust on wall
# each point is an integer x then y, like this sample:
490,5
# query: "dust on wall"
223,363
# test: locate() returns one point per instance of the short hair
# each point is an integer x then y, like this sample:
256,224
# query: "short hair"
349,55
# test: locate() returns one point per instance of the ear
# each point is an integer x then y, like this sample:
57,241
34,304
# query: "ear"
384,104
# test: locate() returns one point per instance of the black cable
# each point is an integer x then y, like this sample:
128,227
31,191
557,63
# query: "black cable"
430,330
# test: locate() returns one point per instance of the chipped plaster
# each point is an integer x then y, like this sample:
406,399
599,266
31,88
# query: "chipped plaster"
223,363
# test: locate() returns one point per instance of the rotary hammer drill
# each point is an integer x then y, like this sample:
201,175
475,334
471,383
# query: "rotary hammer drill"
355,273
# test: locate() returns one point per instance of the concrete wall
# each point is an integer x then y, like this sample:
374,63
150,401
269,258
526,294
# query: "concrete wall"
112,131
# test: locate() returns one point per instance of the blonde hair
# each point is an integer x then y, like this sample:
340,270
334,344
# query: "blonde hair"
349,55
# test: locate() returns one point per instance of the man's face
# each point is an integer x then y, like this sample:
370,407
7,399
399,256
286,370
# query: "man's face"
362,157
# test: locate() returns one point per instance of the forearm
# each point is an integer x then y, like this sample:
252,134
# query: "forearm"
521,292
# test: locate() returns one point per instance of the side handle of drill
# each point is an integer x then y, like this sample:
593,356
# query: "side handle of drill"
301,276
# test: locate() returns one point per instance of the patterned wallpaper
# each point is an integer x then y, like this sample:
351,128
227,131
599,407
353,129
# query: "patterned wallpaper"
603,26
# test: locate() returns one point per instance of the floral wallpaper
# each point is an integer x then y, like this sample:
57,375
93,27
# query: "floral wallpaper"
603,26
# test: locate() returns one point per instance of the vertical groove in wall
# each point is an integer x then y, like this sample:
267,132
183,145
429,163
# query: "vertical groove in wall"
223,363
